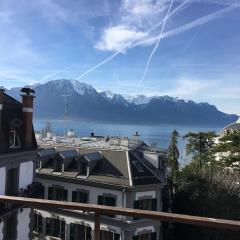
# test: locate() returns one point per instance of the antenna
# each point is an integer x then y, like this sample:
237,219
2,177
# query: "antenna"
65,111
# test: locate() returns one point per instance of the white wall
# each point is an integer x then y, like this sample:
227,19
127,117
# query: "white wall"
23,228
1,231
149,229
26,174
93,191
2,181
145,194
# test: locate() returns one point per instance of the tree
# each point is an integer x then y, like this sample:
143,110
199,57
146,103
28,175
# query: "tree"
199,146
173,154
228,150
207,192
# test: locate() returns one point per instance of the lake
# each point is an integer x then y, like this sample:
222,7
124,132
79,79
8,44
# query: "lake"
158,134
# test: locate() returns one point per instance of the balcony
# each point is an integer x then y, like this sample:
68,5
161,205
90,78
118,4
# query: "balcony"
100,210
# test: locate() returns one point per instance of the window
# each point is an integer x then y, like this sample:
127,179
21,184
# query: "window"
78,231
80,196
83,168
12,182
105,235
37,223
10,231
147,236
107,201
55,228
58,165
14,141
146,204
59,194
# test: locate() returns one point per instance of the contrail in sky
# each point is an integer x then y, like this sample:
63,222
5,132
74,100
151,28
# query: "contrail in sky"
152,40
188,26
155,47
179,8
168,34
128,46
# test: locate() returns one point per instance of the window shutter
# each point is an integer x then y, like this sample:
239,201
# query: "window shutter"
154,204
83,197
72,231
74,196
62,230
48,226
88,233
100,200
136,204
153,236
40,224
65,195
35,222
50,193
116,236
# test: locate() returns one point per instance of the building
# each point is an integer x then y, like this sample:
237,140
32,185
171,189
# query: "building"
221,156
233,127
113,171
18,151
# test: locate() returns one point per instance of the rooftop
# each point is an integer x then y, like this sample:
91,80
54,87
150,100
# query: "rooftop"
113,162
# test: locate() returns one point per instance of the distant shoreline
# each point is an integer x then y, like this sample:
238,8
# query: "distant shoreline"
86,121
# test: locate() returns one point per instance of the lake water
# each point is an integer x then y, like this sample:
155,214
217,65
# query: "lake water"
158,134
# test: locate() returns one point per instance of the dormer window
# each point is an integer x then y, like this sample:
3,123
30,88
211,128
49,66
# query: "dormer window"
83,168
14,141
58,165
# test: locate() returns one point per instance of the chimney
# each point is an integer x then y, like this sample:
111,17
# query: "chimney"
27,108
136,136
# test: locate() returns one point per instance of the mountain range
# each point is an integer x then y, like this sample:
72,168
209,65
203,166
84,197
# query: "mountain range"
85,102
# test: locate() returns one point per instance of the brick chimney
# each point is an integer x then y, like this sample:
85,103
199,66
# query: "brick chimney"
27,108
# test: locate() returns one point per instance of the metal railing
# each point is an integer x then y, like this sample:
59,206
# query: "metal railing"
100,210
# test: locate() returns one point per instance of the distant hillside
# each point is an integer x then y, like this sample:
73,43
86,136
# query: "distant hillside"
86,103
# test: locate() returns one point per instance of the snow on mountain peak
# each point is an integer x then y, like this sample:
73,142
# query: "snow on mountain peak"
138,99
107,94
83,88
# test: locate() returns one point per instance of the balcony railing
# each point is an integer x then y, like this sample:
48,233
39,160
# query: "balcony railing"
101,210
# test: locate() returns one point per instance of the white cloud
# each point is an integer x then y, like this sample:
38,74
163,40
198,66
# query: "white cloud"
139,16
9,78
142,12
187,87
117,38
203,88
133,21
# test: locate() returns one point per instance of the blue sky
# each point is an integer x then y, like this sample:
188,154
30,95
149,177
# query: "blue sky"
194,46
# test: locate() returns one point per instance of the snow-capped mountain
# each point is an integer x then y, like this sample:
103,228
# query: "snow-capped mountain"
139,99
114,98
86,103
107,94
83,88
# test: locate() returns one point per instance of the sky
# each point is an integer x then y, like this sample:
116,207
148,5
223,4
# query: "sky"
183,48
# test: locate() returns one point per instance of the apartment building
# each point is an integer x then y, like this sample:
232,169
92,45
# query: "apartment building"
111,171
18,151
